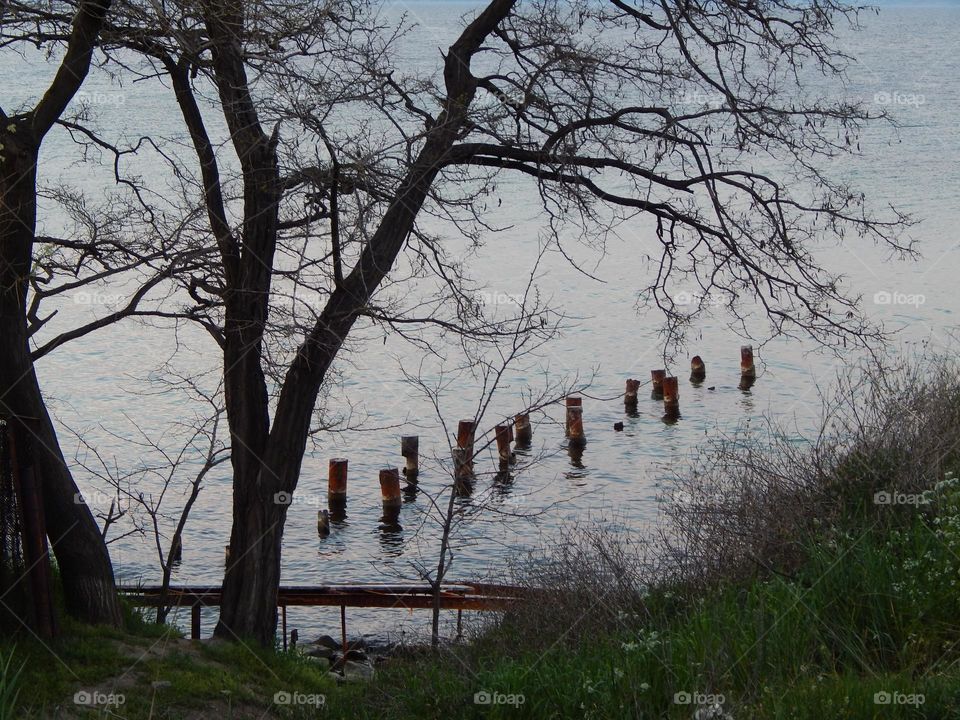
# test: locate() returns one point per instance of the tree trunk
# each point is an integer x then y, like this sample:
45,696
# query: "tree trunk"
81,553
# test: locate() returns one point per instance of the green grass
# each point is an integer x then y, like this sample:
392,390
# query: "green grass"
875,611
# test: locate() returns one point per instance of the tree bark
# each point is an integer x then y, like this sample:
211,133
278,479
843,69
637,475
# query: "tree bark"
85,568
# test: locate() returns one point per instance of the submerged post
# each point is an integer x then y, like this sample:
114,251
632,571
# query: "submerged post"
323,523
572,402
656,379
410,450
630,395
523,432
466,430
575,425
698,370
747,369
671,397
502,433
337,488
390,487
337,480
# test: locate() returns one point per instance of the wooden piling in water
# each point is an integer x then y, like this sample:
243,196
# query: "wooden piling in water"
656,378
747,369
671,397
337,479
410,450
466,431
577,438
502,433
323,523
523,431
390,487
226,554
698,370
630,394
572,402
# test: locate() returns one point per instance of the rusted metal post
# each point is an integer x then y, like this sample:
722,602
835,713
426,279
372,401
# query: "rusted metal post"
502,433
747,369
748,373
337,480
572,401
195,621
656,378
337,488
466,431
523,431
410,450
575,422
630,395
671,397
323,523
698,370
390,487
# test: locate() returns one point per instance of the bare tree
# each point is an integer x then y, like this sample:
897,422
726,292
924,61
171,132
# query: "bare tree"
175,465
338,158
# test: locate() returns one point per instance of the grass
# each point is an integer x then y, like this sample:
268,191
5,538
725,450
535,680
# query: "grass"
857,623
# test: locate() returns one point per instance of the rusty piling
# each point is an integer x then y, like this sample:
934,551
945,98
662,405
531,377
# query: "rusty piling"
698,370
656,379
410,450
671,397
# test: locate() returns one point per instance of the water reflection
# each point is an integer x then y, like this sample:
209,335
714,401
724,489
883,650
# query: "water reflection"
391,532
338,513
575,451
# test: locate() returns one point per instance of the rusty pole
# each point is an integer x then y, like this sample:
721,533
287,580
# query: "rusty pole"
575,422
410,450
671,397
502,433
630,395
656,378
523,431
698,370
